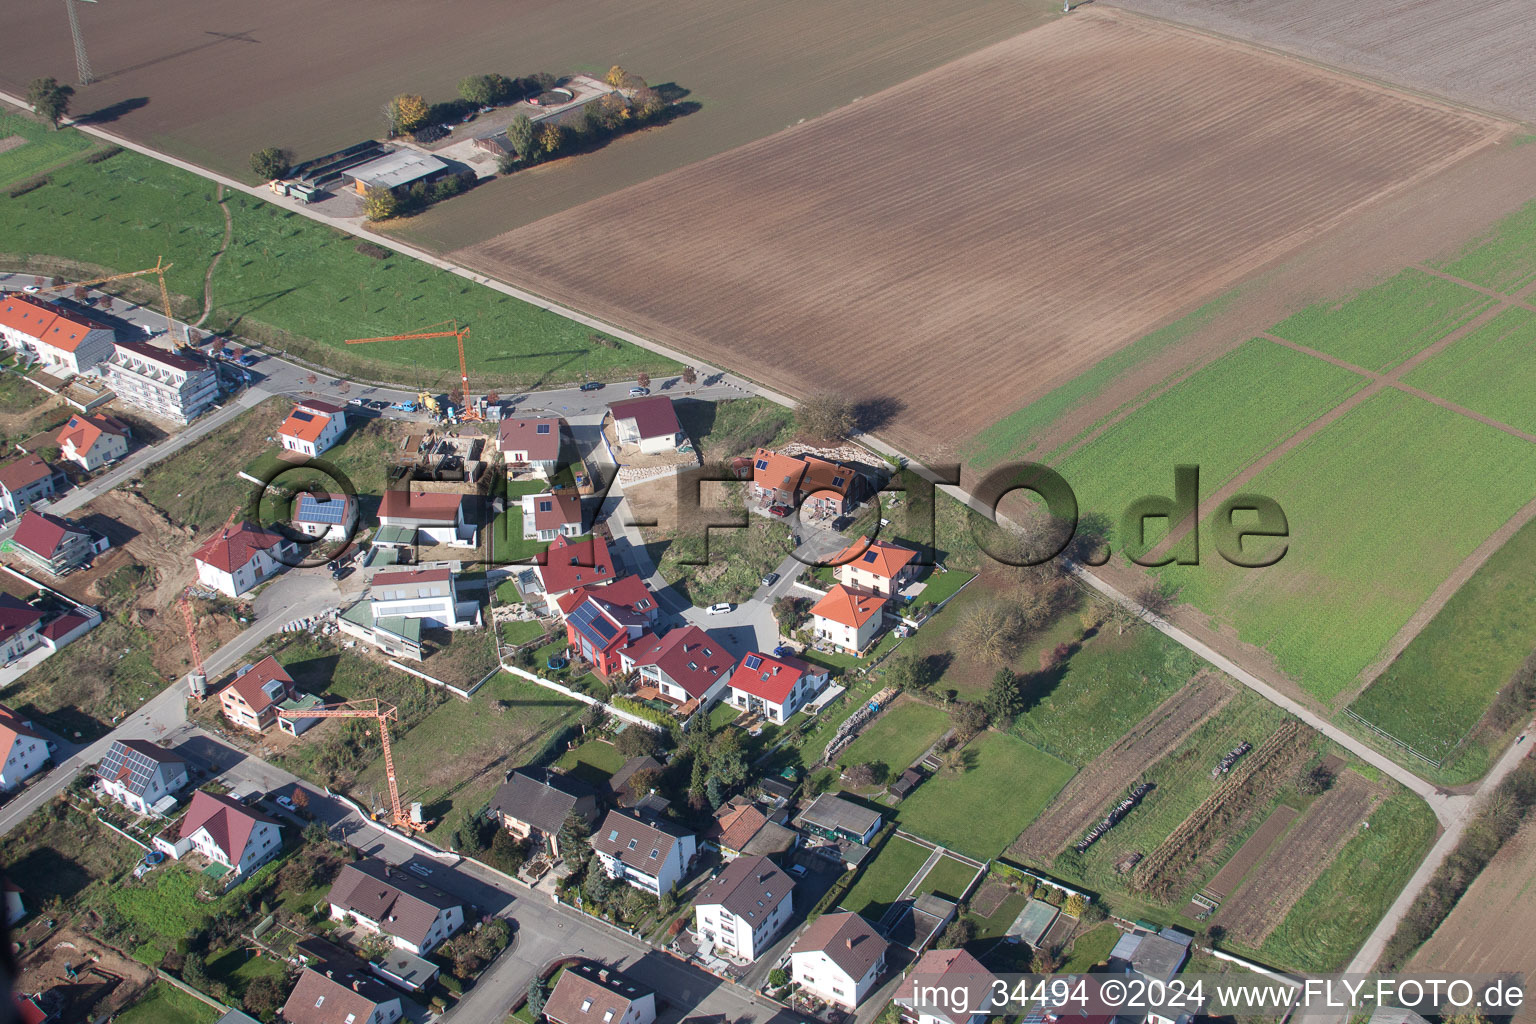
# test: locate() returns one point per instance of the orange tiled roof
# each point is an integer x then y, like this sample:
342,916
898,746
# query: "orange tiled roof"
880,558
849,607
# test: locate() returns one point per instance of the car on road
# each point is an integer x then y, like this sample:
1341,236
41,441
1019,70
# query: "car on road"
286,804
592,385
780,510
249,359
639,392
783,651
770,579
720,609
358,402
31,289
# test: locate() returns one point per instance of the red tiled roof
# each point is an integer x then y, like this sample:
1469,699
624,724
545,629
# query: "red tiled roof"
822,475
773,471
952,969
84,431
689,657
586,994
524,436
28,469
403,577
566,565
847,940
427,506
653,416
63,624
230,549
12,727
229,823
249,684
339,994
772,679
628,592
880,558
555,509
41,533
849,607
739,824
46,322
15,616
186,363
304,425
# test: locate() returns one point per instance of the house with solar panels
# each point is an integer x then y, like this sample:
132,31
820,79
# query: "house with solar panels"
775,687
879,567
532,445
312,427
325,516
601,621
142,776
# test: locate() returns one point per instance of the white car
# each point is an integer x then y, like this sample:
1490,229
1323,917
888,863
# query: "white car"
32,288
720,609
286,804
639,392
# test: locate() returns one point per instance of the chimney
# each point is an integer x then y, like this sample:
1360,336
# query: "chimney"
848,942
356,985
330,973
602,974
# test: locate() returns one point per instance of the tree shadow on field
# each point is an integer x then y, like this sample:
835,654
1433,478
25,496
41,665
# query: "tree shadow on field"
871,414
106,115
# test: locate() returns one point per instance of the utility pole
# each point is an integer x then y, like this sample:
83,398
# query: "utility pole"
82,61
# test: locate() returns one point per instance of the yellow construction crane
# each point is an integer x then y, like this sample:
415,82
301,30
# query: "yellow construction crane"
470,413
158,270
383,714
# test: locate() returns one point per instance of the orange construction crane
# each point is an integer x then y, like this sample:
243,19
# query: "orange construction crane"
197,679
158,270
382,713
470,413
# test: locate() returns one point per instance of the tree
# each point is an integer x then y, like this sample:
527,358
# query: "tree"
537,996
572,838
300,799
644,780
992,631
636,741
644,380
908,671
380,203
713,793
520,134
1004,700
727,759
777,978
49,100
551,138
265,995
862,776
406,113
316,832
507,852
1156,598
698,784
789,613
960,931
954,761
477,89
969,719
616,76
1314,781
827,418
690,375
1075,905
271,163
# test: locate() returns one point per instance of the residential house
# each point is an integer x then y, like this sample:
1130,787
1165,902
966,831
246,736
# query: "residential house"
172,385
55,544
687,668
532,445
566,565
742,830
430,595
64,341
20,628
648,423
744,908
775,687
341,994
808,482
534,802
955,973
848,619
226,832
590,994
59,632
325,516
23,750
94,440
437,517
27,480
833,817
649,853
600,622
552,514
622,791
253,697
878,567
839,958
377,898
312,427
239,558
142,776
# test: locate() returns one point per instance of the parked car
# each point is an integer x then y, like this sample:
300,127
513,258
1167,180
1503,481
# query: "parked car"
358,402
783,651
419,869
721,608
639,392
286,804
249,359
780,510
31,289
592,385
770,579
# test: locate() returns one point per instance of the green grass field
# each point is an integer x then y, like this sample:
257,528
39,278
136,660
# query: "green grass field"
1382,326
299,285
594,761
980,811
1383,505
1090,948
201,486
44,148
948,878
898,737
1437,689
884,876
1334,916
1210,420
164,1003
1489,370
1504,259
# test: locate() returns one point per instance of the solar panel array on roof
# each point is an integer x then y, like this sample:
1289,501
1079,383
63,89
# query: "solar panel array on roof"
128,767
870,556
593,625
542,428
321,510
301,416
753,661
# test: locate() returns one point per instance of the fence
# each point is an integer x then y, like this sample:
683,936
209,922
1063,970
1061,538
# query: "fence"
1392,739
457,691
618,713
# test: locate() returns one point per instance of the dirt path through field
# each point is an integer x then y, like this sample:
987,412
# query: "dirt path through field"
213,264
1083,800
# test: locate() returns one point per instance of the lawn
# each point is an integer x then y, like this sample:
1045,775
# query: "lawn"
302,286
42,149
1371,536
1490,371
1209,421
884,877
1330,921
521,631
948,878
995,925
1436,690
898,737
62,857
164,1003
725,429
1381,326
100,677
1091,947
1504,259
200,487
979,811
364,455
594,761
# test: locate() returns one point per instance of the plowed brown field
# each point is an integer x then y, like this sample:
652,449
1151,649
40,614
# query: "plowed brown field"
959,243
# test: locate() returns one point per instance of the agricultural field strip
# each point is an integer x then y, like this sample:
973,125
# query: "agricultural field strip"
1081,802
1251,852
1280,879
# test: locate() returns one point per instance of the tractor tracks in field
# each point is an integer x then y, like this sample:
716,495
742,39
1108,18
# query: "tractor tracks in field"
213,264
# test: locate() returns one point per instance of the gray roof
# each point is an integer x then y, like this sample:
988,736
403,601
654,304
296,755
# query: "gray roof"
409,969
401,904
542,797
393,170
749,887
770,839
833,812
1158,957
